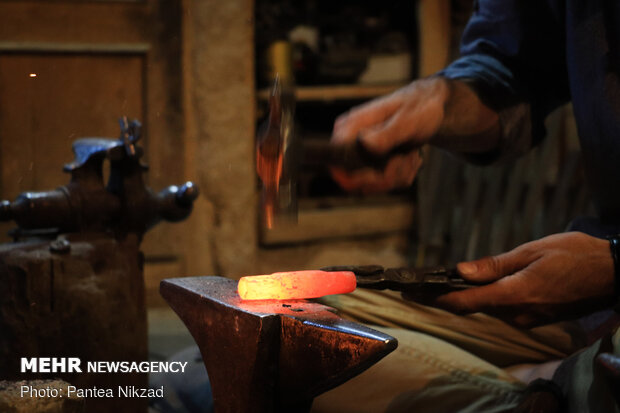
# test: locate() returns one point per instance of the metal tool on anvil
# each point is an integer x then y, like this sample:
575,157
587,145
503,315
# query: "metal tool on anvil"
280,153
428,280
421,282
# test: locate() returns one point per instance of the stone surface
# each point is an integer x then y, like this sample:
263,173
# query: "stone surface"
12,401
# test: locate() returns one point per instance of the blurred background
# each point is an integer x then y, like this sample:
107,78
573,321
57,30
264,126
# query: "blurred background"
197,74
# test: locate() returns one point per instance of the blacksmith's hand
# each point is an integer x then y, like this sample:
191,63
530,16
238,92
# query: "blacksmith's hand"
561,276
412,114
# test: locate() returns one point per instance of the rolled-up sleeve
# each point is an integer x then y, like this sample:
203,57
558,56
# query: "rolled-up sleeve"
513,56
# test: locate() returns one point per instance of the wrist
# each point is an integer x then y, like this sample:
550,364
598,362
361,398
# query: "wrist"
468,126
614,247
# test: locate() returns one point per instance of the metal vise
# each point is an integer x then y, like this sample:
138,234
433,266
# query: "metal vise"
80,263
124,206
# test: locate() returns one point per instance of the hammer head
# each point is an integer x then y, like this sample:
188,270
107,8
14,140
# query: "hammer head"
279,154
277,158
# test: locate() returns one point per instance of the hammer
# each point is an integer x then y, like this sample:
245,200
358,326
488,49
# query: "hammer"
280,152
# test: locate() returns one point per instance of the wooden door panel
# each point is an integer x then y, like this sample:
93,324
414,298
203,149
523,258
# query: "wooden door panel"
94,62
73,22
91,92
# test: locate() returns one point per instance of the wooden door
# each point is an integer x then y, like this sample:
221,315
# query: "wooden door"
70,69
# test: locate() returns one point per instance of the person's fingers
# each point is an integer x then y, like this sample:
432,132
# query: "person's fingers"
415,122
365,180
382,137
414,160
372,181
487,298
417,161
346,180
399,172
347,126
492,268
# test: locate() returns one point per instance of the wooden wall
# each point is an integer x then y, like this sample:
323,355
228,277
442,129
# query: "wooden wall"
186,69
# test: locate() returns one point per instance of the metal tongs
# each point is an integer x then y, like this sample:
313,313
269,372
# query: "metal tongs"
430,280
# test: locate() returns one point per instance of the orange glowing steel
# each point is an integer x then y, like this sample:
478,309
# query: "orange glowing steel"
296,285
269,168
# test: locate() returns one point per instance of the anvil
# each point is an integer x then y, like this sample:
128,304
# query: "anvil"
270,356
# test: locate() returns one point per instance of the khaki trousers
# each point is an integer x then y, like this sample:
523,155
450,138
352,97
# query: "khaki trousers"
444,362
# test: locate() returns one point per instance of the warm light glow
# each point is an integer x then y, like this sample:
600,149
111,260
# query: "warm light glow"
32,75
296,285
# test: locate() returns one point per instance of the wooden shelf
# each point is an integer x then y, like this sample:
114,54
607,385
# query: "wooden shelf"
346,221
336,92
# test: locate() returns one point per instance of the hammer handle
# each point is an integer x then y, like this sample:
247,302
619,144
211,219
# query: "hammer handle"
350,157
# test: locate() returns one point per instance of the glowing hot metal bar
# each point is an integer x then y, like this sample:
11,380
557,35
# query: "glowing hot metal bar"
296,285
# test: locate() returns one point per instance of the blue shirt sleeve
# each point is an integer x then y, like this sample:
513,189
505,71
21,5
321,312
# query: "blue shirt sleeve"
513,54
